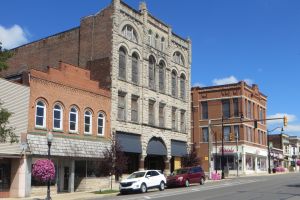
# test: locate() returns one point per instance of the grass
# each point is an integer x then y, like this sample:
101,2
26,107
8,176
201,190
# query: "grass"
106,191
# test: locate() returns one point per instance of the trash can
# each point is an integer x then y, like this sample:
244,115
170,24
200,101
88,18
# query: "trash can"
274,170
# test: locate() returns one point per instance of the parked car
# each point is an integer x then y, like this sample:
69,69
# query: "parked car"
186,176
142,181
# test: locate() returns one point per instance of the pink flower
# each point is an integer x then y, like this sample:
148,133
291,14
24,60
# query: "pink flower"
43,170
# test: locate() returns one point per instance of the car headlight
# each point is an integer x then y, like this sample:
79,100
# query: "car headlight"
180,178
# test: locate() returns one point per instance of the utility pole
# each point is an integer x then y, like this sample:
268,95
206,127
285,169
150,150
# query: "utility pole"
222,158
237,153
209,149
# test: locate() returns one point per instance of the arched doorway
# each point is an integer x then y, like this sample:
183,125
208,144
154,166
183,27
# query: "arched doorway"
156,154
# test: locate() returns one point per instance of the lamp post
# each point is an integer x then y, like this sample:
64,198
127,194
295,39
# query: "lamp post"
222,157
49,142
269,151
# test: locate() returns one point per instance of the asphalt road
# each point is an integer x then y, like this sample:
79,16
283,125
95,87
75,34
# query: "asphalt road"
274,187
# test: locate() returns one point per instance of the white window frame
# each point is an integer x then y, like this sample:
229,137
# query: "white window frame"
61,117
103,124
44,112
90,115
76,122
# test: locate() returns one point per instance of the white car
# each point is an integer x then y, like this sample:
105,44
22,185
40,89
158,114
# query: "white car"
142,181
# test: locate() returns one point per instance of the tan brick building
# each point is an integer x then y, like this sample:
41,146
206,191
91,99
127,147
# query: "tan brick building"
236,103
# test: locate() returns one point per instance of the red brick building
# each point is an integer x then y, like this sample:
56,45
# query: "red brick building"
236,103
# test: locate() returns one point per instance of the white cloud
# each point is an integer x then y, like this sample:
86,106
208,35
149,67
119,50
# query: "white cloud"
197,84
292,128
291,118
13,36
226,80
248,81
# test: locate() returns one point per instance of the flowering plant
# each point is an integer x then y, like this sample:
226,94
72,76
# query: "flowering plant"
298,162
280,169
43,170
215,176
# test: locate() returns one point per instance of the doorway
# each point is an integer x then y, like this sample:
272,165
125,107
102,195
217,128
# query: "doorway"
66,178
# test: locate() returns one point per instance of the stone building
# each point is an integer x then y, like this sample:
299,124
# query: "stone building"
245,146
143,63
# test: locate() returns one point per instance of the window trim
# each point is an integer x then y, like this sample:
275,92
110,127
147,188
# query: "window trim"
103,125
91,121
61,117
122,50
44,112
76,123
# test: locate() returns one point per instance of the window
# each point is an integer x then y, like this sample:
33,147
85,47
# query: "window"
156,44
182,121
130,33
174,121
135,69
249,134
161,76
249,110
205,134
57,117
178,58
162,44
226,130
121,106
236,110
226,108
151,72
237,132
261,115
101,123
73,121
150,36
151,113
174,83
204,110
40,114
182,86
134,109
259,137
161,115
87,122
122,63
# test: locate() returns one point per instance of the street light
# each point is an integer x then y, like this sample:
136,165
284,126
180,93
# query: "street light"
269,152
49,141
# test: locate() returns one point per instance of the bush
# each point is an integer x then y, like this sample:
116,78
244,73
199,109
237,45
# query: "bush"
298,163
215,176
280,169
43,170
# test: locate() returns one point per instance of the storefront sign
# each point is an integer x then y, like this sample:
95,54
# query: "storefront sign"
227,150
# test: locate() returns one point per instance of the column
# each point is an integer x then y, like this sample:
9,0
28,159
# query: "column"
167,165
142,162
244,167
255,164
71,176
61,174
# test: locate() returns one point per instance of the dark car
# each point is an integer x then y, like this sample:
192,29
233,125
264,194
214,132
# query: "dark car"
186,176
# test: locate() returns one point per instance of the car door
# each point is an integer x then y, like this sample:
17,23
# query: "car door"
156,178
149,179
193,175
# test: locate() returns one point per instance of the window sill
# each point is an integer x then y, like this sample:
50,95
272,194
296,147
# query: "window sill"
87,133
100,135
73,132
121,120
57,130
135,122
41,128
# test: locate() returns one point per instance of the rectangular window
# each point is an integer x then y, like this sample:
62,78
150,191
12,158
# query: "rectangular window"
161,115
249,134
261,115
236,110
134,109
182,121
226,130
121,107
135,72
151,113
236,132
226,108
249,110
205,134
204,109
174,121
259,137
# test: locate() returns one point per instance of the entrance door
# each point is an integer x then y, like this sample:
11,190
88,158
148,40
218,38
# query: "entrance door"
66,178
155,162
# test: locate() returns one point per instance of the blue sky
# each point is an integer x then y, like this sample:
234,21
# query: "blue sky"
253,40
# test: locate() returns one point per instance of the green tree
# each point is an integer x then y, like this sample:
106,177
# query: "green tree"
6,131
4,56
191,158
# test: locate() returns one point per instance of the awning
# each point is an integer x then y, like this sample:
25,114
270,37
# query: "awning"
178,148
156,147
129,142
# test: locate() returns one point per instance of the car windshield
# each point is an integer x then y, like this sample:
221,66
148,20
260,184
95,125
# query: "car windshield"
180,171
136,175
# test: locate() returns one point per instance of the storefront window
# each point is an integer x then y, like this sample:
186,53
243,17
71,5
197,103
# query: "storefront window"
229,162
250,162
261,164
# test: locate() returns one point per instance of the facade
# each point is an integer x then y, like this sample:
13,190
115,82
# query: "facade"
294,152
245,146
145,66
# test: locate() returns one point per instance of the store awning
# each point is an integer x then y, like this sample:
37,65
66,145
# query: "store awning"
130,143
156,147
178,148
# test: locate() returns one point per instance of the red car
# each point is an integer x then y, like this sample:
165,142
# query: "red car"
186,176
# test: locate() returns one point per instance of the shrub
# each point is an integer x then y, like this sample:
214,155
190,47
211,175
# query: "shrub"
298,162
215,176
43,170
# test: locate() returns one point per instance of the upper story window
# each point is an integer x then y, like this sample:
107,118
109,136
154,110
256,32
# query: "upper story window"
174,119
182,86
135,68
162,44
151,114
87,122
150,38
236,110
134,109
122,63
156,41
162,76
204,108
182,121
73,120
161,115
57,117
226,108
151,72
178,58
122,106
205,134
101,123
40,114
174,83
226,132
130,33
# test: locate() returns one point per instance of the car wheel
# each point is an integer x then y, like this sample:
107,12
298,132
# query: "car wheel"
162,186
187,183
123,192
143,188
201,181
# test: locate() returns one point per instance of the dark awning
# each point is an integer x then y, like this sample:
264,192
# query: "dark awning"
156,147
178,148
129,142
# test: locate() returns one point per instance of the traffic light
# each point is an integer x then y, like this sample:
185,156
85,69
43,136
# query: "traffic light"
285,121
255,124
231,136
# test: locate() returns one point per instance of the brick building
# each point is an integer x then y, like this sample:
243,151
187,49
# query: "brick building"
145,66
235,103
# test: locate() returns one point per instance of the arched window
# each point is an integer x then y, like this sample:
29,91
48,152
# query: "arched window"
101,123
150,36
57,117
87,122
135,68
178,58
162,44
151,72
73,120
182,86
122,63
40,114
161,76
156,42
174,83
130,33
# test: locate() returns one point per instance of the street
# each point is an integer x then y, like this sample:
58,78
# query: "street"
281,187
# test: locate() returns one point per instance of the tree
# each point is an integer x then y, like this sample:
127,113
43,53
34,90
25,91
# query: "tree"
191,158
114,161
4,56
6,131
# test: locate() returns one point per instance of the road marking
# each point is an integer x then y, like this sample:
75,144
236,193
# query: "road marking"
146,197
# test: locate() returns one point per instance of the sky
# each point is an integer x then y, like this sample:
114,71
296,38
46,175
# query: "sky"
253,40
